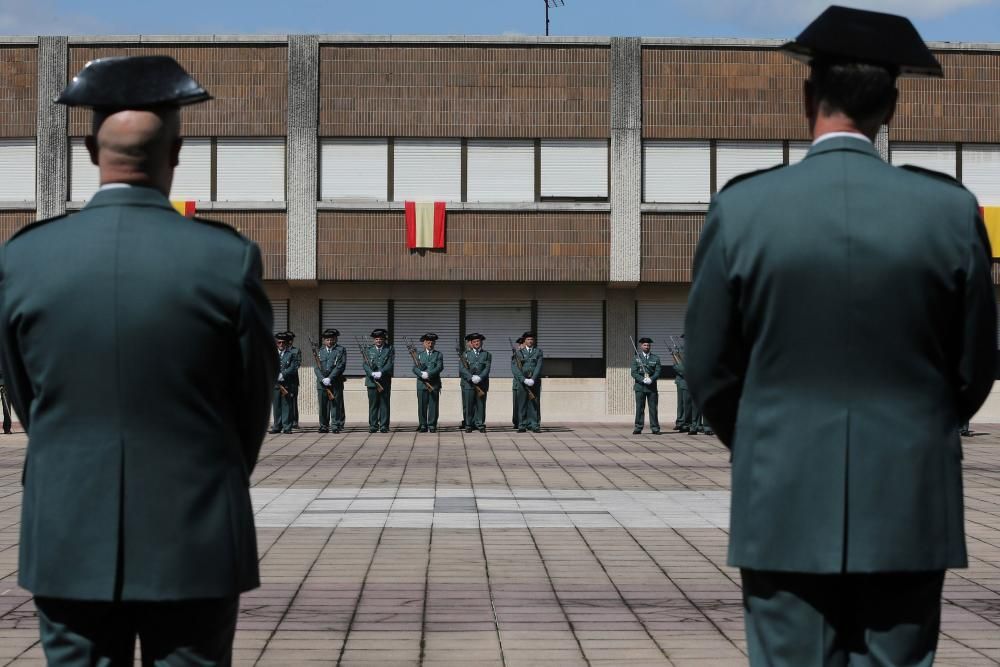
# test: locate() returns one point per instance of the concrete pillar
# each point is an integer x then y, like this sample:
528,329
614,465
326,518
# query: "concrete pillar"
303,319
52,174
620,324
882,142
301,191
626,160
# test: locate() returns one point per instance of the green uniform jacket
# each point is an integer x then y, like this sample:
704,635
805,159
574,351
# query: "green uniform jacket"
652,364
332,363
433,363
479,364
140,358
840,328
679,379
379,360
532,363
288,367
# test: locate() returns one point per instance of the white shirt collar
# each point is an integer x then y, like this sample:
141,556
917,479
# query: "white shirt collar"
836,135
114,186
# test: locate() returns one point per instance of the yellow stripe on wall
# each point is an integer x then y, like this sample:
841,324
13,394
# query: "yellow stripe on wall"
425,224
991,216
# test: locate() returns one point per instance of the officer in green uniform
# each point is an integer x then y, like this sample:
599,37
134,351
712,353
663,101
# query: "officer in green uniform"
516,416
428,369
379,362
683,397
136,515
646,371
286,386
298,355
330,378
475,374
527,370
841,327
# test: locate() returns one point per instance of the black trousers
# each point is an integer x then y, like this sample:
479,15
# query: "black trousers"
188,632
643,398
6,409
801,620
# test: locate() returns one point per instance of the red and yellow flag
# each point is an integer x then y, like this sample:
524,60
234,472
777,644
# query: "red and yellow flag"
991,216
425,224
185,208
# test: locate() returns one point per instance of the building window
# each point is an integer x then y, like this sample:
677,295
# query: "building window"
354,169
797,151
17,169
84,176
500,170
677,171
250,169
427,170
574,169
193,175
733,158
981,172
937,157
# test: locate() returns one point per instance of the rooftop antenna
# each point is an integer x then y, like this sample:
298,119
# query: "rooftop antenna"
550,4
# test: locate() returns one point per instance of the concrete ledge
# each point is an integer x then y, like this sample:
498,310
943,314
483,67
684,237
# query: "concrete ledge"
674,208
17,206
203,206
178,39
27,40
368,205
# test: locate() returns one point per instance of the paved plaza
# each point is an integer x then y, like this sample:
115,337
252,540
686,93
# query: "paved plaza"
581,545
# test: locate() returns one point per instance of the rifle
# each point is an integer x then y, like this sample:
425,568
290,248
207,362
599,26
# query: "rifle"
465,362
281,388
416,362
520,366
368,362
675,351
642,365
315,349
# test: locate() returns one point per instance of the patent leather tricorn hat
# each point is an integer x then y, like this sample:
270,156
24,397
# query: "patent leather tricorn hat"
842,34
132,82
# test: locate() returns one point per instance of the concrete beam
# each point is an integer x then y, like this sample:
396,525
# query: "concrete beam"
882,142
626,160
52,148
301,188
619,324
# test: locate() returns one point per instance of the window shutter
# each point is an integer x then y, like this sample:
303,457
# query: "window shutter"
17,169
677,171
981,172
739,157
660,320
571,329
501,171
84,177
574,168
498,322
939,157
412,319
427,170
797,151
193,176
354,169
355,320
279,310
250,169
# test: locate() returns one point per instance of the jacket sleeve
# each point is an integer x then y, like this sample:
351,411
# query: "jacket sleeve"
518,375
341,362
294,362
16,380
977,363
260,364
486,362
716,358
657,370
366,366
390,363
464,372
537,373
317,368
634,370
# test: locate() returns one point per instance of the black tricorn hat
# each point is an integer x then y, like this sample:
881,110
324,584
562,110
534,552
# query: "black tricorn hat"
645,340
529,334
379,333
330,333
132,82
520,340
475,336
283,336
428,336
291,334
842,34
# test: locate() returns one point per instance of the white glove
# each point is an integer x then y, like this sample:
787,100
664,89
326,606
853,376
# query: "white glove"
530,382
326,382
281,378
424,375
377,375
476,379
647,380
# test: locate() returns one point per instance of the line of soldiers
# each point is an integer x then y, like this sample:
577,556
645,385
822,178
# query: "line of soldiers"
646,370
378,362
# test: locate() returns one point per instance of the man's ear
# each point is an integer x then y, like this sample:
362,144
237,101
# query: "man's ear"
90,141
175,152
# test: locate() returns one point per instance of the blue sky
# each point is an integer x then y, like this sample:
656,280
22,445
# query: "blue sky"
946,20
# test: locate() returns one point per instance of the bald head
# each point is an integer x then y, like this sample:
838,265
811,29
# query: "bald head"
139,147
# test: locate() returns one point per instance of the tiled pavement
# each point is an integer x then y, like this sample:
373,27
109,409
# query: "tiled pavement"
582,545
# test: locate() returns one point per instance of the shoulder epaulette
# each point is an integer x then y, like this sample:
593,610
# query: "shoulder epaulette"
749,174
216,223
36,224
940,175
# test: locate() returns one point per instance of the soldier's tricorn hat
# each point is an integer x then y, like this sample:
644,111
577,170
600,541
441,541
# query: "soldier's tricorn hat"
842,34
645,340
283,336
290,334
330,333
428,336
529,334
520,340
475,336
132,82
379,333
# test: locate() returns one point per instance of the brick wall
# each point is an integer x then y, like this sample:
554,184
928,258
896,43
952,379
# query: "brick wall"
480,246
453,91
18,92
269,229
668,243
249,84
12,221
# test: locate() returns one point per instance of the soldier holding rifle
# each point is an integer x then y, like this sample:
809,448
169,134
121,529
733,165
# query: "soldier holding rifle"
526,365
646,371
287,385
475,374
427,366
331,360
680,383
379,359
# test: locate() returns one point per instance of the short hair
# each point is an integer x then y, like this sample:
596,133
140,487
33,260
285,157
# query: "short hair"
864,92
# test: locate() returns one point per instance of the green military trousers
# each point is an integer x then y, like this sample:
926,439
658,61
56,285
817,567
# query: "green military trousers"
812,620
427,406
683,409
378,406
528,412
652,398
331,412
281,407
474,408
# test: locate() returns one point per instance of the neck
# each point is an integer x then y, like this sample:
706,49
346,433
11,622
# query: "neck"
838,122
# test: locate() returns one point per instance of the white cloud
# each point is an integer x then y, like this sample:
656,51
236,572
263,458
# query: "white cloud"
760,13
42,17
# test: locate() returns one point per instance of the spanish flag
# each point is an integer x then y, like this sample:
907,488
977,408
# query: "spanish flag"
424,224
185,208
991,216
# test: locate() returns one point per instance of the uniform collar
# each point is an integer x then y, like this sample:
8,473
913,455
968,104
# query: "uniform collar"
848,142
129,196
